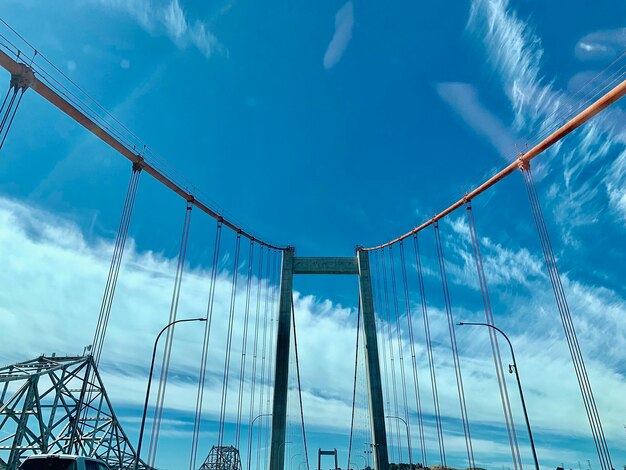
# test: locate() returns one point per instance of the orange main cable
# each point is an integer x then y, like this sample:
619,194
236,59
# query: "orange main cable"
16,68
524,158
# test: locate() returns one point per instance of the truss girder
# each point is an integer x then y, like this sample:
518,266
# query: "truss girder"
222,458
59,405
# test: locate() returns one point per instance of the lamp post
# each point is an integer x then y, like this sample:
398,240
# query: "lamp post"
291,459
519,384
250,436
145,406
408,437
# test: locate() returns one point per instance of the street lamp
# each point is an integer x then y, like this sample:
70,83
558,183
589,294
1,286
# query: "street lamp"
408,437
145,406
519,383
250,437
291,459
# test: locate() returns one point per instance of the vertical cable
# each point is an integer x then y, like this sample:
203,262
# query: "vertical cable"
244,346
495,348
455,352
418,400
568,326
263,384
109,293
205,349
229,344
269,304
116,261
391,356
255,354
382,336
400,354
295,343
5,130
169,338
356,368
429,348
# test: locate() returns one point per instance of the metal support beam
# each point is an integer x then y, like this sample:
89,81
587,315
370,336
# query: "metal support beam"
325,265
321,452
377,412
281,375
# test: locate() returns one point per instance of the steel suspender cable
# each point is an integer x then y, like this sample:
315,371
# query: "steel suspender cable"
400,354
244,345
255,354
269,304
455,352
262,374
205,349
356,365
10,110
229,344
418,400
495,349
392,364
295,344
169,338
429,348
114,269
382,336
566,319
577,121
109,290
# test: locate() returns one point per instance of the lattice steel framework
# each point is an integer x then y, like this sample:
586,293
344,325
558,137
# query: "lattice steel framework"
59,405
222,458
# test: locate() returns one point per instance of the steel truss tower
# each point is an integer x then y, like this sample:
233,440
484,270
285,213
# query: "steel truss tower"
222,458
54,405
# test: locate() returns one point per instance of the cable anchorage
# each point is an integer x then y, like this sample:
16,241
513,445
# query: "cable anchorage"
18,85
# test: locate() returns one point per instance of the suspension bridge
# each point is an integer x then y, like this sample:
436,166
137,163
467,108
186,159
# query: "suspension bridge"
59,404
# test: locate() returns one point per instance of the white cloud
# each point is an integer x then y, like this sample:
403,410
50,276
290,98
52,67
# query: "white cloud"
168,17
503,266
344,22
601,45
516,52
49,256
463,99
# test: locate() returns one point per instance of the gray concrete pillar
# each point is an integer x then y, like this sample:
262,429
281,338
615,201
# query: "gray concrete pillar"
377,411
281,375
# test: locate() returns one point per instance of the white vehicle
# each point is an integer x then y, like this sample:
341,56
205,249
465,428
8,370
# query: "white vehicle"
62,462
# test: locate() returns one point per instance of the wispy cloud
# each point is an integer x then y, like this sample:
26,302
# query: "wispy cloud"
168,17
344,22
601,45
463,99
515,52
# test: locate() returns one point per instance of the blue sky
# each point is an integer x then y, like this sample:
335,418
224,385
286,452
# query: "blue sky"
324,126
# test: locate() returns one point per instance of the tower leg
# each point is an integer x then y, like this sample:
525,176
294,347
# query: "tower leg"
281,376
377,411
